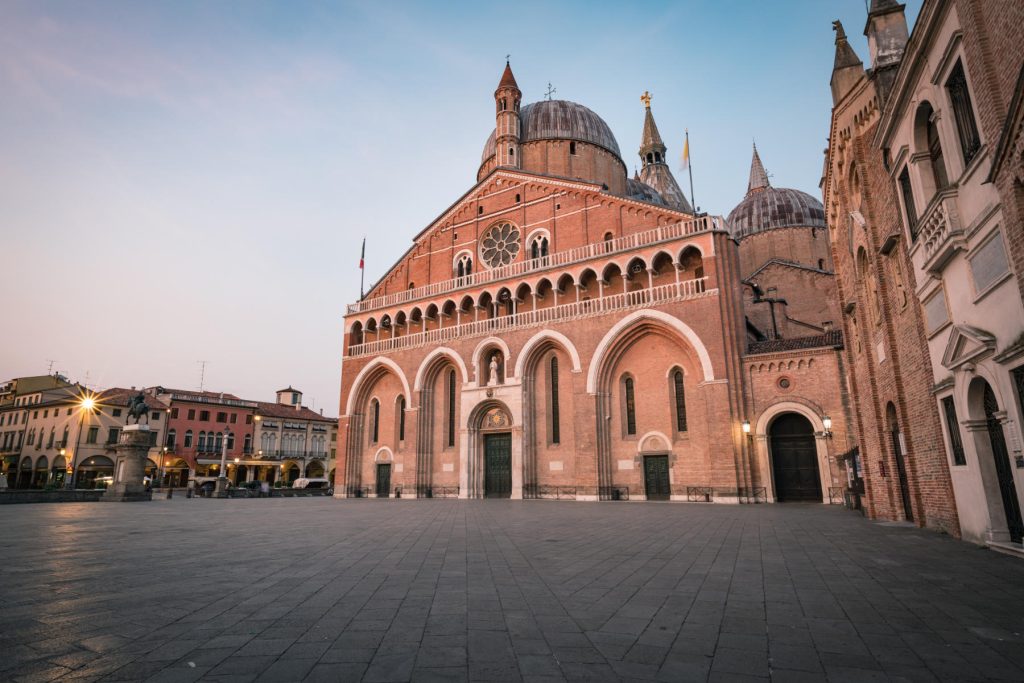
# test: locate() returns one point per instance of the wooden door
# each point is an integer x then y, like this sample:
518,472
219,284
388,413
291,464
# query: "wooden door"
656,484
498,465
1007,489
383,480
795,459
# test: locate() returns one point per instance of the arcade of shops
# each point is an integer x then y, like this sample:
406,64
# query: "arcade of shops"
95,470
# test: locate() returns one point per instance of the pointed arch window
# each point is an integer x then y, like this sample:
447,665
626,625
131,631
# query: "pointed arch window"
539,247
201,445
679,400
375,424
464,266
188,438
629,405
556,436
401,418
451,408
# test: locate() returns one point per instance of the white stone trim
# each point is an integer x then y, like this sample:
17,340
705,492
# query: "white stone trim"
479,349
367,369
554,336
430,357
675,323
761,438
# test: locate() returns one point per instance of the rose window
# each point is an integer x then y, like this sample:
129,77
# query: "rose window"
500,245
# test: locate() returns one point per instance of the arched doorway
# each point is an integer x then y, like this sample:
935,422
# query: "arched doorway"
291,473
95,472
42,473
497,454
899,455
24,478
314,469
493,469
1004,475
794,458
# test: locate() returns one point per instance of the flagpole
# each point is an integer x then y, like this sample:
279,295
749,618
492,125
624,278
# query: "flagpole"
689,167
362,269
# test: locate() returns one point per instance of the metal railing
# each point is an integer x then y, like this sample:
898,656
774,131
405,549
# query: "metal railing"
675,291
836,495
544,492
613,492
700,494
562,258
754,495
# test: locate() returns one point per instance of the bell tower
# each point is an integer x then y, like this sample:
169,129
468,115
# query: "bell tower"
507,99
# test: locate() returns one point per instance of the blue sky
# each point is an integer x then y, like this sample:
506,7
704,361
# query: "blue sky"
191,180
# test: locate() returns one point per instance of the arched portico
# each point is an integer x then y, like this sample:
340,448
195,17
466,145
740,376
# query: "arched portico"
762,431
538,339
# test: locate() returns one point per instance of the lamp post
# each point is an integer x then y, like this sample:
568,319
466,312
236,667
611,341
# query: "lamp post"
222,476
162,469
64,454
86,405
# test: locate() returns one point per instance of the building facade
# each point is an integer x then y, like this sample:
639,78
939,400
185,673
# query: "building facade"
297,440
924,203
563,330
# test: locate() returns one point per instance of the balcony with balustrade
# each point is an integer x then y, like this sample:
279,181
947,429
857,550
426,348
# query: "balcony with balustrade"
568,257
940,235
582,308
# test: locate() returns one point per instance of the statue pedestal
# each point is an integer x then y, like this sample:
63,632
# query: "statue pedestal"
130,466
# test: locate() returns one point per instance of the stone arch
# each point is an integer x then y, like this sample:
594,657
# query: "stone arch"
430,358
653,442
384,454
761,432
491,342
435,414
378,364
471,475
552,336
669,321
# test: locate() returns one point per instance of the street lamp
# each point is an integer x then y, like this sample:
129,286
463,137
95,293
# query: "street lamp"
826,423
222,475
87,405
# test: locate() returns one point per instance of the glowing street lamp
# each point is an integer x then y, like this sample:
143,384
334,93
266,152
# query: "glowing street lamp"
87,405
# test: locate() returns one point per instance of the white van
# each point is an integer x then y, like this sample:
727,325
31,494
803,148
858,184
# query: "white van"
311,483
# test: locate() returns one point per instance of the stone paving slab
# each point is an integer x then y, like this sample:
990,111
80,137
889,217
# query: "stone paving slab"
444,590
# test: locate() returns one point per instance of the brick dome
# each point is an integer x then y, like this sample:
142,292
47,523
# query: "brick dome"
560,120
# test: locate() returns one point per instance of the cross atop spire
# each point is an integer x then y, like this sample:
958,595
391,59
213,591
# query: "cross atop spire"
646,99
758,176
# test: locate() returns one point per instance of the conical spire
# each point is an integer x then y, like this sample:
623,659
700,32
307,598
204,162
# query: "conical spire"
881,6
845,56
651,140
507,79
758,176
654,165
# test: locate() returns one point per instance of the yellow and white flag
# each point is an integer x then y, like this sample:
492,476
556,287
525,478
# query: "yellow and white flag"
684,162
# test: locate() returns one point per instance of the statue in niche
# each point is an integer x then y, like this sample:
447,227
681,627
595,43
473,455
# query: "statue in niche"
492,371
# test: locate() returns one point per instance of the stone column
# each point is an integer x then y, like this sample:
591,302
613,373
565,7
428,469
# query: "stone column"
130,466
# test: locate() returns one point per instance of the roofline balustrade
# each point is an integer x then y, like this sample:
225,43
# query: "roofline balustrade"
645,238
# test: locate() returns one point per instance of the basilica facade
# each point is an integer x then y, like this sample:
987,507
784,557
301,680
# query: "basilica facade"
564,330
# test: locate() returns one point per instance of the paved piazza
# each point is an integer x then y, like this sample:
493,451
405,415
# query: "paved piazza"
322,589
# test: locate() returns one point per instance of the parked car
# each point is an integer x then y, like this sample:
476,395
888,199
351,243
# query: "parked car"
311,483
